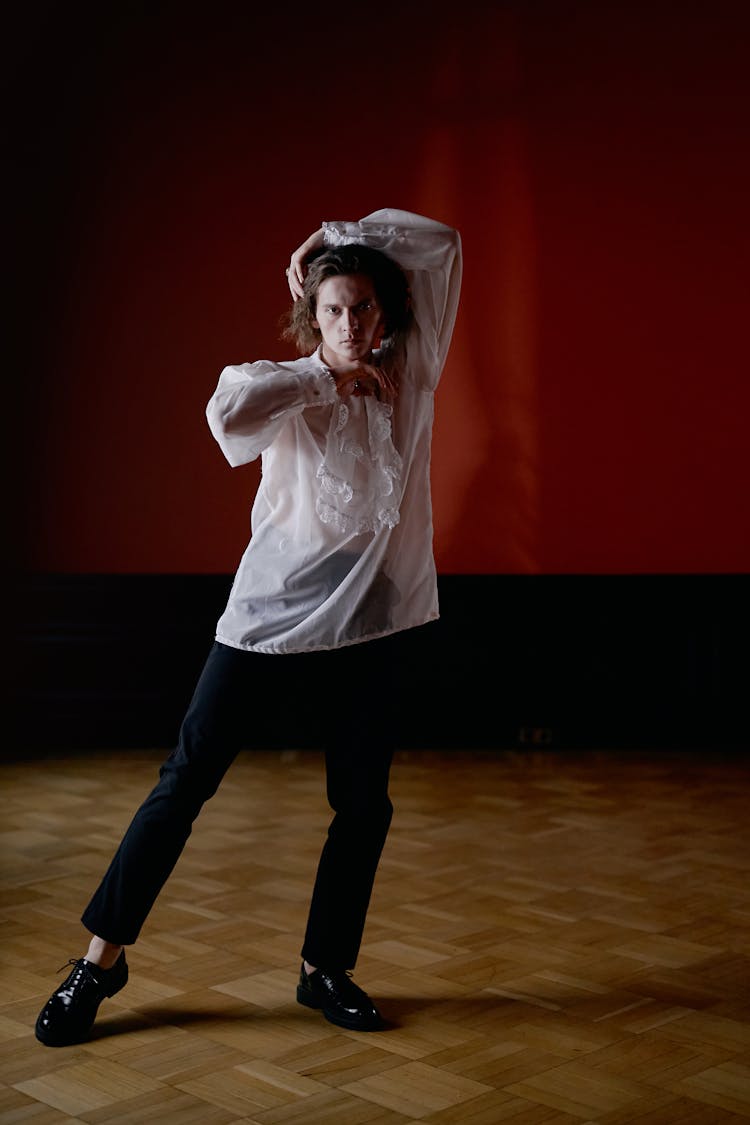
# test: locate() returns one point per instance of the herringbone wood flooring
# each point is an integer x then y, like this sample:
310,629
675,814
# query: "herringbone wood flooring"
556,937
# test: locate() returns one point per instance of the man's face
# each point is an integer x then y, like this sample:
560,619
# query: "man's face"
349,318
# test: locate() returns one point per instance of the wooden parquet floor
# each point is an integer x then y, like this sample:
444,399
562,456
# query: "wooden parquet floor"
556,938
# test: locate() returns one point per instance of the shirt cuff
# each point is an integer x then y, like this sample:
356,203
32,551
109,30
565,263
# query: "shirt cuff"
339,233
318,386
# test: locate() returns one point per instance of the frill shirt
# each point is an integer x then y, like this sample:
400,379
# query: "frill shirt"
341,543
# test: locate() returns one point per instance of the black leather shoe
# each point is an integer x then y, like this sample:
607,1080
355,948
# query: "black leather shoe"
69,1014
340,1000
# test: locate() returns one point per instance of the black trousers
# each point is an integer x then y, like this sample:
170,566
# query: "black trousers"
352,699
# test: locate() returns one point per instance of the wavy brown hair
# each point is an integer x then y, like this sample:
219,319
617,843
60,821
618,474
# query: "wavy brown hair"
389,281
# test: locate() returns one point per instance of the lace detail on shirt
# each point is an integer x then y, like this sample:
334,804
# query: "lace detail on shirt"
335,237
334,485
360,477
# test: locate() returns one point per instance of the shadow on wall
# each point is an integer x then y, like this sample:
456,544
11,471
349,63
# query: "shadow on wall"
487,405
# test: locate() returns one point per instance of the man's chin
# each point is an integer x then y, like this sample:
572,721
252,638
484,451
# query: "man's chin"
355,353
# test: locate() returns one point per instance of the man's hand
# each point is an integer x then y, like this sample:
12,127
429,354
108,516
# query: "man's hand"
295,274
364,379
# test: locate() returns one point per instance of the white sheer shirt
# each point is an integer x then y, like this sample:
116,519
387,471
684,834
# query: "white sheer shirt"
341,527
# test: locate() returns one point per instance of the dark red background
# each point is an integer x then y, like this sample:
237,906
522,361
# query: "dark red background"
593,415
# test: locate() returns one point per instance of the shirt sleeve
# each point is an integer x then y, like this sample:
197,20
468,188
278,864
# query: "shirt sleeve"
253,401
430,255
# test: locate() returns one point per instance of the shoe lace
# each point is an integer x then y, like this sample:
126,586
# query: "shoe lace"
67,994
345,984
336,974
73,961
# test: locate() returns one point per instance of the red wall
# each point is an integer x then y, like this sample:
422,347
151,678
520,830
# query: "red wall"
594,156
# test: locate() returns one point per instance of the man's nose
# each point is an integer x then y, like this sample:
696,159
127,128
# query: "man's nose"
350,318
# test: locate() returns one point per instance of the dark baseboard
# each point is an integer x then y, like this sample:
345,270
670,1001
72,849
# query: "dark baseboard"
516,661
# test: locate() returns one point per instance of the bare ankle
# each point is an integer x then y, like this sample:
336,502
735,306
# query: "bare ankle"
103,953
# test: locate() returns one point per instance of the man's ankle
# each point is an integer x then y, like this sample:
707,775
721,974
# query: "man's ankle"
103,953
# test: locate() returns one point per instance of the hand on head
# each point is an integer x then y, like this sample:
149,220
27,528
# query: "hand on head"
296,270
